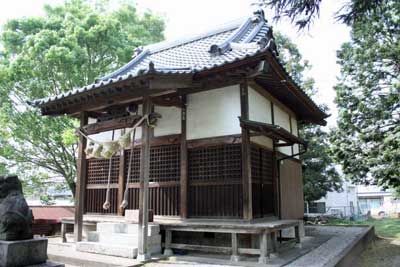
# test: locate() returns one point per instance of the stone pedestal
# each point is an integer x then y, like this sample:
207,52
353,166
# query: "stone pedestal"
27,253
23,252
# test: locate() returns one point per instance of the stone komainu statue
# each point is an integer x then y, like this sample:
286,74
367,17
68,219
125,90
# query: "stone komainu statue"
15,215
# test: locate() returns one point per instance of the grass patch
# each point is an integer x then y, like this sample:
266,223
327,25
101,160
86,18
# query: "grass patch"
387,227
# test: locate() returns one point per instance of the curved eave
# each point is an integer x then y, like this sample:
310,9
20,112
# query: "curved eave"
318,116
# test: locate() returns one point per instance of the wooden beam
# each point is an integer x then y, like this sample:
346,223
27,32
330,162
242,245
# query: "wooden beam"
144,182
80,182
184,164
246,155
121,176
114,124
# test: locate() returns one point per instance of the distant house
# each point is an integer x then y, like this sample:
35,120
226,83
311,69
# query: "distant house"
356,200
344,203
52,192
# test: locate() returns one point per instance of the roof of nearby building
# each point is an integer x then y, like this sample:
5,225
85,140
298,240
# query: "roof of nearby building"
51,213
230,43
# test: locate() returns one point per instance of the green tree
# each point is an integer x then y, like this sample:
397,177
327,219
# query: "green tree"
70,46
303,12
319,173
367,139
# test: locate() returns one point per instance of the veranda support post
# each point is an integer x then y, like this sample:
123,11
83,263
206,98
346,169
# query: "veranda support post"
144,181
80,181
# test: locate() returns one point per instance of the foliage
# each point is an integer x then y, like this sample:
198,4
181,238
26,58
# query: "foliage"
3,169
69,47
303,12
367,140
319,173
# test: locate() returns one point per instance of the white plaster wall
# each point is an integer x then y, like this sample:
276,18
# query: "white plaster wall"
213,113
281,118
170,122
287,150
259,107
294,126
262,141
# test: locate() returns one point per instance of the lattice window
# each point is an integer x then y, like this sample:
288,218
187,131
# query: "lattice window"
135,168
98,170
255,163
261,164
266,165
221,162
165,163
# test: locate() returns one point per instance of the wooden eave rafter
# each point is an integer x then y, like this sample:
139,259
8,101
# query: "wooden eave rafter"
272,131
318,115
117,93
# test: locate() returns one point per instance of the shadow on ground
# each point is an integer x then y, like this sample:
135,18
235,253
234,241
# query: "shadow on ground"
384,252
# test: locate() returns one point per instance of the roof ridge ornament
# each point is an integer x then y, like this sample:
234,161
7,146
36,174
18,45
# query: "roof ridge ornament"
219,49
259,14
258,17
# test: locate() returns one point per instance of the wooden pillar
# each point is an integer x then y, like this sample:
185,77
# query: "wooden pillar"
246,155
121,176
80,188
275,171
144,182
184,164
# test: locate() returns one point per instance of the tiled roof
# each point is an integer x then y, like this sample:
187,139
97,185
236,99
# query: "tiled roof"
227,44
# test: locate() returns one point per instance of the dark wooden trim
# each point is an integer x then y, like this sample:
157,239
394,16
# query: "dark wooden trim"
121,181
214,141
214,182
246,155
80,181
184,163
275,184
155,184
263,146
175,139
172,139
101,186
114,124
144,180
272,113
291,130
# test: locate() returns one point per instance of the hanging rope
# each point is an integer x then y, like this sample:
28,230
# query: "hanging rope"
107,204
114,146
124,203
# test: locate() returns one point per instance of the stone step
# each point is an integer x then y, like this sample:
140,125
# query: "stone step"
126,228
121,239
107,249
113,250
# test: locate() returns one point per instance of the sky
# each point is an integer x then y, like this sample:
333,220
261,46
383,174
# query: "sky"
189,17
